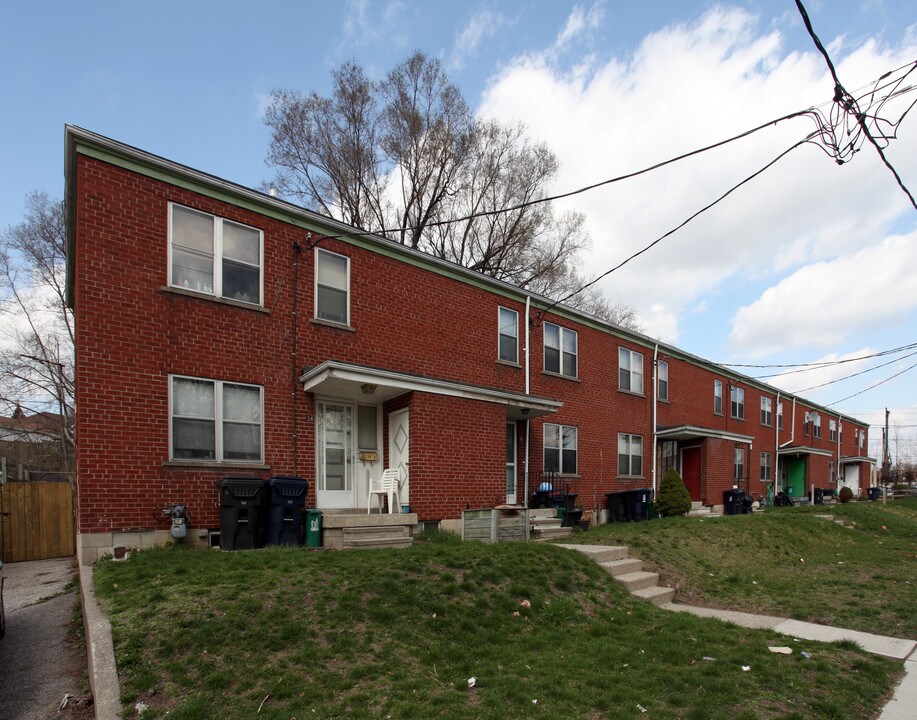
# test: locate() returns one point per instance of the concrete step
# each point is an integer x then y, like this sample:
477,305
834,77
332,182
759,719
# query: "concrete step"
545,522
623,567
638,580
376,537
542,513
656,594
550,533
601,553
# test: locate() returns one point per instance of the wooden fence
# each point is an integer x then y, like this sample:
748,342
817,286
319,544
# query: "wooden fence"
36,520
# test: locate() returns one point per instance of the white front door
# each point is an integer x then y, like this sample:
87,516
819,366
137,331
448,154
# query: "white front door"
399,445
335,456
852,477
511,463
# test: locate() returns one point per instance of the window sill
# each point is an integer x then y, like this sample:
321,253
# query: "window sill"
733,417
631,392
214,299
212,465
507,363
663,400
558,375
332,324
631,478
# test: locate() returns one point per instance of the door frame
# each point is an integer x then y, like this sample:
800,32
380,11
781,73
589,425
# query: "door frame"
700,469
512,498
404,464
334,498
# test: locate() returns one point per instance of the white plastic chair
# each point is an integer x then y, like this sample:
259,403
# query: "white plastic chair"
390,486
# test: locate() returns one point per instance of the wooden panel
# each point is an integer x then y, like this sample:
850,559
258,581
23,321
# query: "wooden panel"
36,520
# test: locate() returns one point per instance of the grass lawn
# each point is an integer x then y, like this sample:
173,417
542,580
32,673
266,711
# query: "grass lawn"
789,563
292,633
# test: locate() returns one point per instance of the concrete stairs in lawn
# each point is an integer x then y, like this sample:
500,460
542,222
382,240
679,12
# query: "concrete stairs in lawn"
699,510
628,571
545,525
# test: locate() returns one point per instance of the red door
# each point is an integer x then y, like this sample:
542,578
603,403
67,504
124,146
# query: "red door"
690,471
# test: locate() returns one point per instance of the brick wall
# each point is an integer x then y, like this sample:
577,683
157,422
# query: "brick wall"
133,332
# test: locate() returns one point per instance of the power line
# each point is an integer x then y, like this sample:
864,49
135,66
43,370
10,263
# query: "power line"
861,372
881,382
819,363
848,103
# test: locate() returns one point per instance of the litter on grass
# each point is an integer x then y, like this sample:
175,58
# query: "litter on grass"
782,650
746,668
472,681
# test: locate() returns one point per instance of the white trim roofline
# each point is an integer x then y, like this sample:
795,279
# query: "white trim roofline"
692,431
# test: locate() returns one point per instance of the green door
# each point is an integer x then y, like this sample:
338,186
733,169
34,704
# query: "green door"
796,476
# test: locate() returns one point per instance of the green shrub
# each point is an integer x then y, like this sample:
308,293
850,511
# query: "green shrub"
845,495
673,497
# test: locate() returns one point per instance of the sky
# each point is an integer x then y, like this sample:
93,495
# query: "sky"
809,261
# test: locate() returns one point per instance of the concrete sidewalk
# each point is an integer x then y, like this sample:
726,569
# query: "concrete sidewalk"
903,702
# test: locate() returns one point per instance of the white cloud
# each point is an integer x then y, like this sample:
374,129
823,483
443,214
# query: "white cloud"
686,86
368,23
801,379
482,26
847,296
579,21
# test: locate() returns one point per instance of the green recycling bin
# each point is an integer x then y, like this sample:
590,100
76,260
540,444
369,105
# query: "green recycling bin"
313,528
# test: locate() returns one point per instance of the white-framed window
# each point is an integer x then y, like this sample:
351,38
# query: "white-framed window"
816,425
662,377
780,416
718,397
666,457
831,476
862,443
630,370
560,350
737,402
214,256
738,470
560,449
832,430
332,287
508,335
766,467
215,420
630,455
766,413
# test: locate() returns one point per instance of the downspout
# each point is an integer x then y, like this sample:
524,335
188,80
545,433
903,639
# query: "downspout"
837,465
293,346
525,485
655,404
777,417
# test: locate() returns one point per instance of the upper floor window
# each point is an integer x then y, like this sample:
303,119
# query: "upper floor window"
630,370
630,455
215,420
832,430
560,448
560,353
816,425
766,414
780,415
718,397
332,287
508,331
662,375
862,444
737,402
214,256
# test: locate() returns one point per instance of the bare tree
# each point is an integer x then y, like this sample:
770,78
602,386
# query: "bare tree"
36,326
405,157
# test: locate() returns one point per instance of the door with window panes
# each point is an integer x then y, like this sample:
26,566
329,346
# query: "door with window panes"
511,455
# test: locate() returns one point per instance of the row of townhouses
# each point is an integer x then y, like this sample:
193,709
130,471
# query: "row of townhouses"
222,332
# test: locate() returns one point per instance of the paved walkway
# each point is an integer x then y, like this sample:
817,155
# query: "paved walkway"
902,704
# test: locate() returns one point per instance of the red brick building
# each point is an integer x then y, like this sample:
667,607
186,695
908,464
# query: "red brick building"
223,332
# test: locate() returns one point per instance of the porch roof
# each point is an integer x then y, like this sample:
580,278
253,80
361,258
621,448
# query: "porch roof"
803,450
858,459
362,383
690,432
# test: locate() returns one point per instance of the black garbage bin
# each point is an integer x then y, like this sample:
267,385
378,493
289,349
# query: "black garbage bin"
732,501
819,496
874,493
240,513
639,504
286,497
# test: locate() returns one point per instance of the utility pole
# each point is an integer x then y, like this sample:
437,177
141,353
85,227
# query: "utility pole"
886,470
